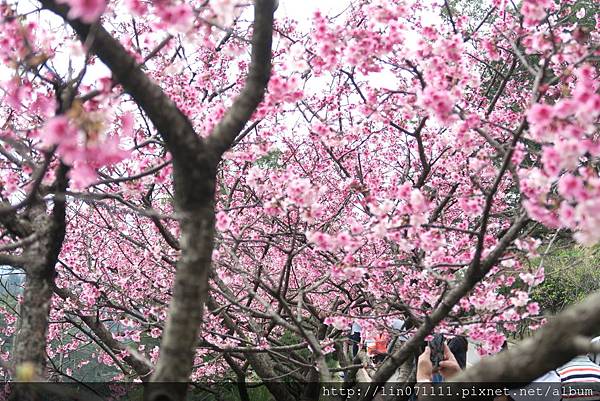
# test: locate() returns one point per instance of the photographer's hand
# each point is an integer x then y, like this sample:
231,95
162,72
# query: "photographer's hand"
424,367
448,367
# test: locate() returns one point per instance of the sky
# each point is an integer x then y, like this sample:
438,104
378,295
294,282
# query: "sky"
302,10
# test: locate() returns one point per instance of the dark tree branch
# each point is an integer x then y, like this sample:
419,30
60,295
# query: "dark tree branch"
449,10
425,165
500,91
33,192
14,261
234,120
42,256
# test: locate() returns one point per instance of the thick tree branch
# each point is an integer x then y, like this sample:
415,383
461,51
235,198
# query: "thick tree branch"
194,176
42,256
232,123
194,182
36,183
14,261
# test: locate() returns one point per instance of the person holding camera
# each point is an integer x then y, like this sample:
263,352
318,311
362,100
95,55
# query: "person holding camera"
448,367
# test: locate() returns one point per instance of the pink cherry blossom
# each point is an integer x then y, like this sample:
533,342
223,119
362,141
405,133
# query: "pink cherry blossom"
137,7
87,10
82,175
223,221
533,308
180,16
551,159
540,114
58,130
389,155
571,187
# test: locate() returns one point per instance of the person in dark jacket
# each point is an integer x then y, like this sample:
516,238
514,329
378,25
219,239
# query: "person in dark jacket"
459,347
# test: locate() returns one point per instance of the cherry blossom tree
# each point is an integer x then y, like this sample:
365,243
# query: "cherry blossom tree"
400,159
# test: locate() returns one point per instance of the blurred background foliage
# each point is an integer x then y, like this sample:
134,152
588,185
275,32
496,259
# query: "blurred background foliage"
572,273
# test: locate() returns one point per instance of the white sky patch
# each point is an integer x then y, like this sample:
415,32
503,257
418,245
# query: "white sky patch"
303,10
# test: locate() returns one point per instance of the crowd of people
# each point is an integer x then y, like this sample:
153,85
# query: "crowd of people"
432,369
377,345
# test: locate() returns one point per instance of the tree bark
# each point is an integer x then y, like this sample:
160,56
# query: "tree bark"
30,343
189,296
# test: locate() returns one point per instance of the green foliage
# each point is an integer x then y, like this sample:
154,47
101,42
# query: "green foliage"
476,9
84,365
588,21
270,160
572,273
258,393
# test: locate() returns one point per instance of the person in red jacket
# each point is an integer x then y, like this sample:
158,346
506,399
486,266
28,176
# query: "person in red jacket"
377,346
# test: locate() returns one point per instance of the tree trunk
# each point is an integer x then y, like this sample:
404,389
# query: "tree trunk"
189,296
30,345
29,355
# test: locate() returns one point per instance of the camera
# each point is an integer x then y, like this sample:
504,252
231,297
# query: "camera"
436,346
